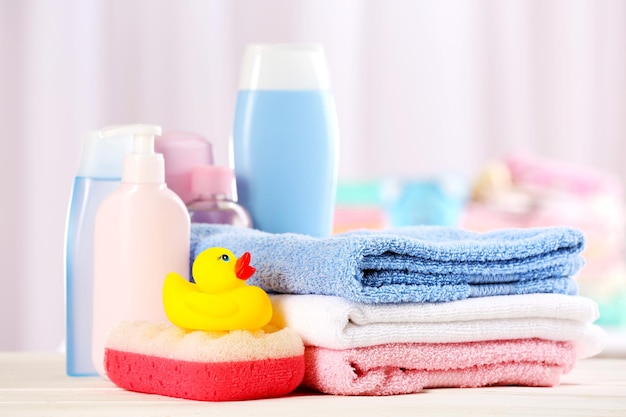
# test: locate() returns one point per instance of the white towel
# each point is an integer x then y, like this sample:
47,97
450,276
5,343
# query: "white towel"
336,323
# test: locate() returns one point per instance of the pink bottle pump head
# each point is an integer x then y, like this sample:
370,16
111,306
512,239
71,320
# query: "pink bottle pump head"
212,180
183,151
142,164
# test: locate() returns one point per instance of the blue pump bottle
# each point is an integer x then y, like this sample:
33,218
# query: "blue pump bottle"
285,139
98,174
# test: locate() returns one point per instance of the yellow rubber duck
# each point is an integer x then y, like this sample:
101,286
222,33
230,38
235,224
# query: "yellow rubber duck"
220,299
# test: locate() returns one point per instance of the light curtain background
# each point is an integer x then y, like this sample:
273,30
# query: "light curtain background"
422,88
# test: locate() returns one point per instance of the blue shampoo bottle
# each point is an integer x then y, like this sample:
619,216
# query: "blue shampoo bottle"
285,139
98,174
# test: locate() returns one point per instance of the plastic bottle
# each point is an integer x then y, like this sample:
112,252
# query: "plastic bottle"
98,174
181,152
285,139
212,187
142,232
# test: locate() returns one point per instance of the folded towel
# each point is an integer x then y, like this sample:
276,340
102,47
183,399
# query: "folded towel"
403,368
337,323
410,264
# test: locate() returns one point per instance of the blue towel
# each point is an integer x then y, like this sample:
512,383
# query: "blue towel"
408,264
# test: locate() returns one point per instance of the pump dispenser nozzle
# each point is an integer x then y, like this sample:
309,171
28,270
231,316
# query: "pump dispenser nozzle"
142,165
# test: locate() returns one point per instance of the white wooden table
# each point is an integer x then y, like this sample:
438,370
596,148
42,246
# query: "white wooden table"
36,385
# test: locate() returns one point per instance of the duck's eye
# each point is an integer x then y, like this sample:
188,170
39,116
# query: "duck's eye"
225,258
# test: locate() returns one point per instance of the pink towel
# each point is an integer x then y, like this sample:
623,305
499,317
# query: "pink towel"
403,368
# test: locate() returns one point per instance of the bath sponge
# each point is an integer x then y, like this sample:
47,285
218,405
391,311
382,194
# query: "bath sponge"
200,365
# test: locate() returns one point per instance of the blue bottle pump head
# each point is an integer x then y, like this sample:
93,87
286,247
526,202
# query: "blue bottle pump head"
102,156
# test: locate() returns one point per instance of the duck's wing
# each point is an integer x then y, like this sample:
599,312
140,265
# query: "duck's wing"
178,292
212,305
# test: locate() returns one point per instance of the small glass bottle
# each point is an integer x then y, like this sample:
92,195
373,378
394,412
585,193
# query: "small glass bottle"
212,187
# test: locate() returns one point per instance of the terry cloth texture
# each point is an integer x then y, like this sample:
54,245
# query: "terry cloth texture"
403,368
409,264
337,323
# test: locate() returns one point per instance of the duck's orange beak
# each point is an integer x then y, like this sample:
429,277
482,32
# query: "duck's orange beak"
243,270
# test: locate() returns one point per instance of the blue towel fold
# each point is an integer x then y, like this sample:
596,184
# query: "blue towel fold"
409,264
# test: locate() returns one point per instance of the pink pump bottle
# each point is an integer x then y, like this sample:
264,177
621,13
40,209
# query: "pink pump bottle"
141,233
212,187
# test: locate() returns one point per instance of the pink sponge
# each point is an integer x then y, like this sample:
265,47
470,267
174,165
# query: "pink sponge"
206,366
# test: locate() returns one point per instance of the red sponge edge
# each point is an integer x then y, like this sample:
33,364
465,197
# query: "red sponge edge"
204,381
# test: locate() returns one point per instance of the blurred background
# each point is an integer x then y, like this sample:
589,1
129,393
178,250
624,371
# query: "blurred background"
480,114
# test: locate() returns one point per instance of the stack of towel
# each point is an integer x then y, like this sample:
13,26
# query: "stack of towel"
397,311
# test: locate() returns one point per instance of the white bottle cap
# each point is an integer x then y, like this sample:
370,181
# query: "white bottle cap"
142,165
284,67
